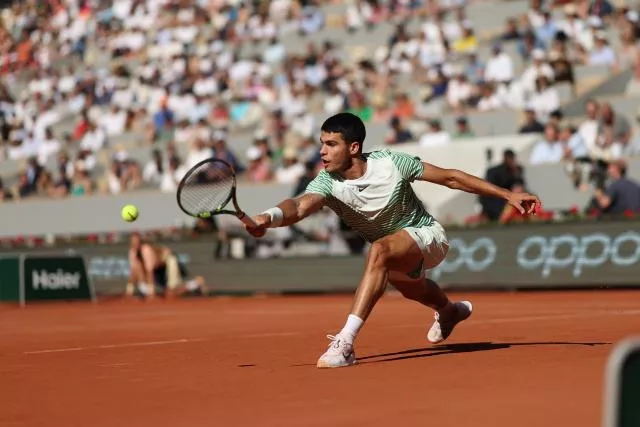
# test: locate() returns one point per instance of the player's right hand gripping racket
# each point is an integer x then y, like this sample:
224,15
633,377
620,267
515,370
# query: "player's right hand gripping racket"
207,188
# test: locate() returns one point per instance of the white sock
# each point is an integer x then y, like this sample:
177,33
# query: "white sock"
351,328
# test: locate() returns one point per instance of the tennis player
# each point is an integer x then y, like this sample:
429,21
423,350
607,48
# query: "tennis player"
371,192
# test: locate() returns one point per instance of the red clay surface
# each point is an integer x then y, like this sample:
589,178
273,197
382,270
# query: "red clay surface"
525,359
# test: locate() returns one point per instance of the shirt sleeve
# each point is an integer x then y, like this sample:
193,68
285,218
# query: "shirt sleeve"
410,167
321,184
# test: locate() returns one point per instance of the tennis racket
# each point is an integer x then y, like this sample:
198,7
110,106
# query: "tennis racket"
206,190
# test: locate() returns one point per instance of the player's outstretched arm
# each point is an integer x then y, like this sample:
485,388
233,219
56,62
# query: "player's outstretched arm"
458,180
286,213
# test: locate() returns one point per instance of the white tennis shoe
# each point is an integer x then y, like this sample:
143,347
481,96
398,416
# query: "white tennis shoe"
442,328
339,354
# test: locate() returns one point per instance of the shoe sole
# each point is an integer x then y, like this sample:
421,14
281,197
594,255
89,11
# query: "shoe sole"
324,365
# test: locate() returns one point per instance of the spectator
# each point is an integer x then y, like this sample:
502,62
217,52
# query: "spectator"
474,69
113,123
436,136
154,169
537,69
404,108
94,139
359,106
555,118
198,152
601,8
467,43
81,183
222,151
260,165
545,99
577,162
335,100
535,15
572,144
572,26
547,30
607,146
463,130
459,90
561,66
5,194
48,147
489,99
622,194
172,175
499,68
531,123
528,44
505,175
619,123
510,31
602,53
291,169
588,130
549,149
163,119
398,133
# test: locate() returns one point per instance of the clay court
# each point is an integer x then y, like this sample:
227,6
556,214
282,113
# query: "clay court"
526,359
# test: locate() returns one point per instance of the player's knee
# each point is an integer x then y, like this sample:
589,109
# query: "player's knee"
379,255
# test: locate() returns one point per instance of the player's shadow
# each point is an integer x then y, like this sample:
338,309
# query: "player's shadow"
444,349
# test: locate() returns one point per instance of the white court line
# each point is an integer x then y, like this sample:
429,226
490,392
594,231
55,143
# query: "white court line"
143,344
272,334
562,316
111,346
543,318
153,343
288,334
58,350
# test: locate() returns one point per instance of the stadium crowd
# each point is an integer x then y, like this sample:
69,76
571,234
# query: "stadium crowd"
87,84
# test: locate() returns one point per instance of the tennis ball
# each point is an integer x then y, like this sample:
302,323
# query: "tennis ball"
129,213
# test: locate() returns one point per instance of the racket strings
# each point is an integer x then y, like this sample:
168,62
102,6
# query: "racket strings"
207,188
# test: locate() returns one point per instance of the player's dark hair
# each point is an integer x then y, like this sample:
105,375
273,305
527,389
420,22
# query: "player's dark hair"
350,126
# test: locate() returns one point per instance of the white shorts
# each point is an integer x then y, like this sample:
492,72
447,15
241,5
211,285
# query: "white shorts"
432,241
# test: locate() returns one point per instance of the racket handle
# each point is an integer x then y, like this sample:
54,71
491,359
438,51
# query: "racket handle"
246,219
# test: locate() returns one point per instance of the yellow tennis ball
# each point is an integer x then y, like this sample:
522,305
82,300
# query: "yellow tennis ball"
129,213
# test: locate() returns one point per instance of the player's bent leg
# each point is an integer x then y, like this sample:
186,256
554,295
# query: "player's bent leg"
427,292
398,252
422,290
434,246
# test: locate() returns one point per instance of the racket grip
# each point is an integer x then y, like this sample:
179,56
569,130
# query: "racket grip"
246,219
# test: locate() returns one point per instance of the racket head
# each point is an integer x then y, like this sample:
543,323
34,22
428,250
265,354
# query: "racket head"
207,188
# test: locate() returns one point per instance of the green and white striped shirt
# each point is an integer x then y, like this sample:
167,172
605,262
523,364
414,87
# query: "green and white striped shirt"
381,201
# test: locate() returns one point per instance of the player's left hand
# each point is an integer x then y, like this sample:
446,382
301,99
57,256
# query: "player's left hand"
525,203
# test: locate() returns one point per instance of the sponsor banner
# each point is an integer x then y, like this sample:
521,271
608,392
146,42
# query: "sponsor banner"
55,277
550,255
10,278
577,254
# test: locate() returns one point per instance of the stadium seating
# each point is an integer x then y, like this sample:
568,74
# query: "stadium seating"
96,56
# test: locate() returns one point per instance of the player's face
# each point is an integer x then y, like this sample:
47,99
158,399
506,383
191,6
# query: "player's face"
335,152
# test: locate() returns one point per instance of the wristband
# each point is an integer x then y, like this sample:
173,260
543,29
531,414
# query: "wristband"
277,216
